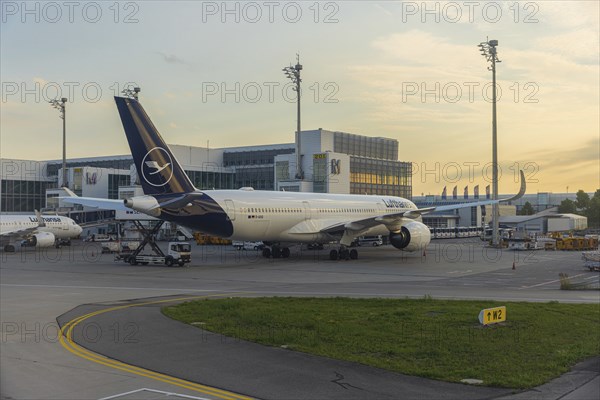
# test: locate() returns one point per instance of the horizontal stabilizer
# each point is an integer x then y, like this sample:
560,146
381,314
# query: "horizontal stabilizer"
103,204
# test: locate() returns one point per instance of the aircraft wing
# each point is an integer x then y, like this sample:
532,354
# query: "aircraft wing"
394,220
103,204
17,233
389,220
24,232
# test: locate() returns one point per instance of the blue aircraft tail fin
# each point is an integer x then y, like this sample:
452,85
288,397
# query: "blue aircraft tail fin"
158,170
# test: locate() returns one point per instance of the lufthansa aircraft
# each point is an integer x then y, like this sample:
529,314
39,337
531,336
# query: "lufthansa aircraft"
37,231
276,218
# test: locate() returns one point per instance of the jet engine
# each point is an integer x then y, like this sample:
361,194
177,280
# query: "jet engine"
411,237
41,239
144,204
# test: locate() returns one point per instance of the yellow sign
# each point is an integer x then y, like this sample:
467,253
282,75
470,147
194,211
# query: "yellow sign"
492,315
317,156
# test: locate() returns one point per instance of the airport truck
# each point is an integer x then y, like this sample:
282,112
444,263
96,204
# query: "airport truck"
178,253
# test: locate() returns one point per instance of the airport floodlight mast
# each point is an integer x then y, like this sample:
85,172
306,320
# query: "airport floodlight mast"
293,73
61,107
488,50
131,92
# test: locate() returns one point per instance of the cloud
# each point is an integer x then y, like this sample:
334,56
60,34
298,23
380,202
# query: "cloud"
564,86
572,14
581,44
585,153
39,80
419,48
171,58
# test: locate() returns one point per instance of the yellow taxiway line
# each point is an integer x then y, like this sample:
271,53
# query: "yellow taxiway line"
66,340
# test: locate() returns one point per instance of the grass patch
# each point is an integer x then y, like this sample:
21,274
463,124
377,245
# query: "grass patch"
439,339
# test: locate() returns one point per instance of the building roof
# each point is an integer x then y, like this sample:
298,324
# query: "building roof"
517,219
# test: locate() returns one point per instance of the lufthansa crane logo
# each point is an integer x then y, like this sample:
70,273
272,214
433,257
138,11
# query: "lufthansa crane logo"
335,167
157,167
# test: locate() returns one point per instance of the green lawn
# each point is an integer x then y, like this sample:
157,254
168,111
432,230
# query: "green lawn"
439,339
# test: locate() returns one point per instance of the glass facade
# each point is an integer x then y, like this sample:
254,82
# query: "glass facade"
23,196
259,177
384,177
114,181
206,180
282,170
125,163
320,173
364,146
253,157
254,168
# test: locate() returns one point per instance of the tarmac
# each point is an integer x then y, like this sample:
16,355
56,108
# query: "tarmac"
37,287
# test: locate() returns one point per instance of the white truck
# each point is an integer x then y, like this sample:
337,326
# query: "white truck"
374,241
247,245
178,253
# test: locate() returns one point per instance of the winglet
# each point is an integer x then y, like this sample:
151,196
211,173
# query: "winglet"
69,192
41,222
521,190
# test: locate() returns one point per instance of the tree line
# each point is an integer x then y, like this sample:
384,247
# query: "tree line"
583,205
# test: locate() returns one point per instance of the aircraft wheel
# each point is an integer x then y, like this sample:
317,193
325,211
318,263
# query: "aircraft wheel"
276,252
333,255
285,252
266,252
353,254
344,254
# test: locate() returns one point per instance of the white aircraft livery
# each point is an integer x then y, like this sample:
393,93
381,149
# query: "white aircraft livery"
37,231
276,218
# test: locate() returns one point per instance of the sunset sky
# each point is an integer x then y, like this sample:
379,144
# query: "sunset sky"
405,70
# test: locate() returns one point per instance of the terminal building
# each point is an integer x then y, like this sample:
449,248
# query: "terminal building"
546,219
332,162
23,185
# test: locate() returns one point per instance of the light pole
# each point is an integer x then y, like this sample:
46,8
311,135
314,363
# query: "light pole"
294,74
488,50
132,93
61,107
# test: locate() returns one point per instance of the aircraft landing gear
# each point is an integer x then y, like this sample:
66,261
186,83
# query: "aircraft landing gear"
343,254
276,252
333,255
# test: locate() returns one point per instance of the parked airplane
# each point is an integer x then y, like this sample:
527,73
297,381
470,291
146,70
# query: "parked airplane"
37,231
278,219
